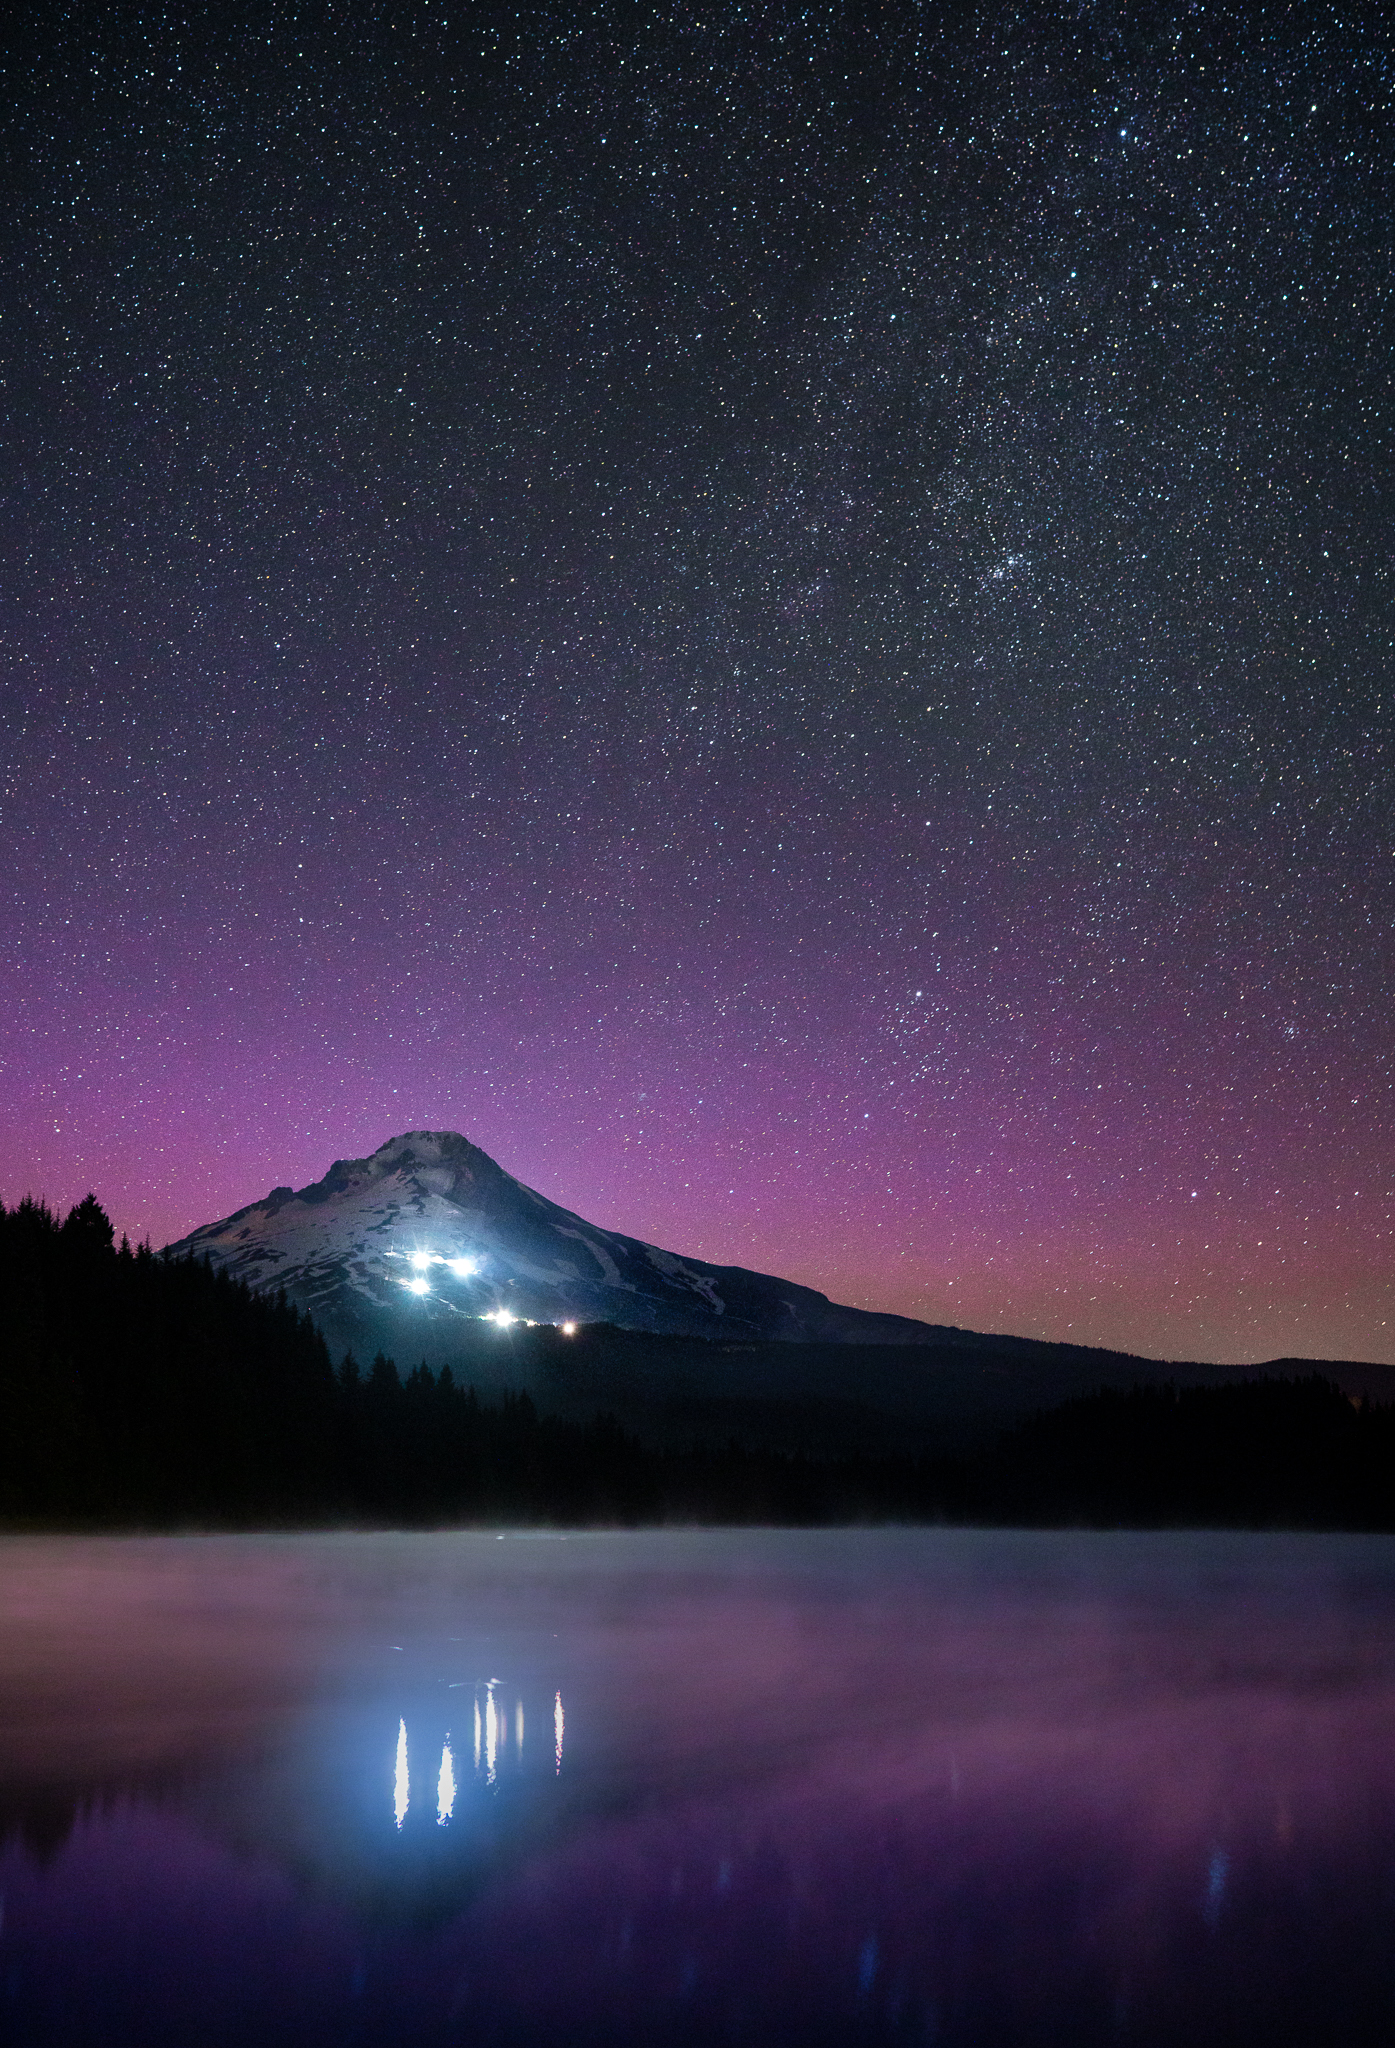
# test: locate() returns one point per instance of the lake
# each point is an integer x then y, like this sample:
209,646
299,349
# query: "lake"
697,1786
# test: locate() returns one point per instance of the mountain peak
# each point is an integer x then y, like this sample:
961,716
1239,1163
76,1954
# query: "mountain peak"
412,1247
423,1148
441,1159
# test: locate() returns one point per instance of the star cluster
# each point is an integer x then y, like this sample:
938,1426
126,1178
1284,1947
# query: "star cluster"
782,614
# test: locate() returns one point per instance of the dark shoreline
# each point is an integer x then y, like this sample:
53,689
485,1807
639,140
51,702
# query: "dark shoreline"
1272,1455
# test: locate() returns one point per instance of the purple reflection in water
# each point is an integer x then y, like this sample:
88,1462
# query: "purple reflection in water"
881,1786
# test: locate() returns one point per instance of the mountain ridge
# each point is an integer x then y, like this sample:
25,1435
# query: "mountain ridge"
675,1347
428,1233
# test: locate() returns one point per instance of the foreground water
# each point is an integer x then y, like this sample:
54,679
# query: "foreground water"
715,1787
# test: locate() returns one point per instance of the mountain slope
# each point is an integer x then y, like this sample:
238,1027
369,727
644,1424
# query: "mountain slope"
409,1248
427,1249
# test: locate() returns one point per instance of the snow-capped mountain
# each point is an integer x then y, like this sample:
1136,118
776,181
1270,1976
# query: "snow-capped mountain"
428,1249
412,1247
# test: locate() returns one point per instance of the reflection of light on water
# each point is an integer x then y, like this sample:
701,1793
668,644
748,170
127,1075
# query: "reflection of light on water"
494,1727
558,1725
445,1786
400,1779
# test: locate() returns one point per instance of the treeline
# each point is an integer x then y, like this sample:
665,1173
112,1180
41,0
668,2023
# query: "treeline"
135,1388
1264,1453
138,1391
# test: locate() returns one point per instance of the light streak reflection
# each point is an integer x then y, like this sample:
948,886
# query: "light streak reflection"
494,1727
558,1728
445,1786
399,1789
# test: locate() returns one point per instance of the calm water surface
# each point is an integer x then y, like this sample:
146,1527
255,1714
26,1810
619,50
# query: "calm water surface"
875,1786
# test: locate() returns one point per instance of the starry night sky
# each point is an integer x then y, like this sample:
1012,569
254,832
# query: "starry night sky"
782,614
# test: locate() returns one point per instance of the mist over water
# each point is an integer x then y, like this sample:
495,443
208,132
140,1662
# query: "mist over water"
929,1786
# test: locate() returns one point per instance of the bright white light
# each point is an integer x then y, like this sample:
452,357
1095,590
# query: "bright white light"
417,1286
462,1268
558,1728
569,1329
399,1787
445,1787
491,1736
421,1260
502,1317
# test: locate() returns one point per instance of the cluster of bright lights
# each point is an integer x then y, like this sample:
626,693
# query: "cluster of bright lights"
505,1320
462,1268
422,1262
